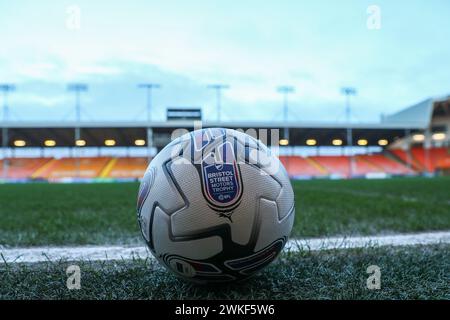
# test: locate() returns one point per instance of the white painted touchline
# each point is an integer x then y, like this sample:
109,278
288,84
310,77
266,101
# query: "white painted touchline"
360,242
101,253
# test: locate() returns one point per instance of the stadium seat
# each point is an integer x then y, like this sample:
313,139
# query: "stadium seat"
22,168
386,164
297,166
402,155
302,167
133,167
435,155
72,168
336,165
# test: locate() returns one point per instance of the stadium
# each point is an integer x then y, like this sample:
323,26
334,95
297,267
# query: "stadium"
413,141
371,197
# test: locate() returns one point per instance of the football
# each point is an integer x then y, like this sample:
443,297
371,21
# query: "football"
215,206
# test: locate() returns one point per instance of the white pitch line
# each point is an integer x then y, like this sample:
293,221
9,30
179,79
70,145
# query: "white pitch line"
101,253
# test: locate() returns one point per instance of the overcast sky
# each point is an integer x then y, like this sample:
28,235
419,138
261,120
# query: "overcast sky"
253,46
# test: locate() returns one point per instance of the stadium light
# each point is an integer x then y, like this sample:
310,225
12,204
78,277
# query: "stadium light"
80,143
50,143
110,142
77,88
285,90
311,142
20,143
6,88
218,87
362,142
139,142
284,142
383,142
149,88
418,137
438,136
336,142
349,91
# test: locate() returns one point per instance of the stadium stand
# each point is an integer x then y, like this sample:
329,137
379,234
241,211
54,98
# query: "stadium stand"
393,162
362,166
428,121
302,167
23,168
402,156
443,165
419,160
435,155
72,168
336,165
386,164
133,167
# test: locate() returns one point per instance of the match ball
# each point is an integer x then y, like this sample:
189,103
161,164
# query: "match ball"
215,206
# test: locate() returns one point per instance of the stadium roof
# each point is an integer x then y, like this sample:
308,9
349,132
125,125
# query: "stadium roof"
419,115
232,124
125,133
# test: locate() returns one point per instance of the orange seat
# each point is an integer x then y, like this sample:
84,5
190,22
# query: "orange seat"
133,167
435,155
89,167
22,168
339,165
299,166
385,164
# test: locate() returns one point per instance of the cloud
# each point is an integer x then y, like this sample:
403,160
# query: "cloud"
252,46
40,100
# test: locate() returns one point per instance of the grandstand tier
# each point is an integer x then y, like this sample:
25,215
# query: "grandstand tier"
430,160
302,167
133,167
394,162
335,165
22,168
423,159
89,167
387,164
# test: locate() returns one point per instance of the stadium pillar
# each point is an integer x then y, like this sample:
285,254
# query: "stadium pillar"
349,91
447,141
5,151
5,88
77,88
285,90
350,151
149,142
77,150
427,146
408,148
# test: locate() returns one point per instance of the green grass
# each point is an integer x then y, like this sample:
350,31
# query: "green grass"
43,214
63,214
355,207
421,272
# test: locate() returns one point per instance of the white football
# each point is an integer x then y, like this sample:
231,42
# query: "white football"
215,206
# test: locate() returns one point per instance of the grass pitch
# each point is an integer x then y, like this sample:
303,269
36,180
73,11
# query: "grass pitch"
81,214
84,214
406,273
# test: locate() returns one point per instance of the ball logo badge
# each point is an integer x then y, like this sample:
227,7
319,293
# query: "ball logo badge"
221,180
